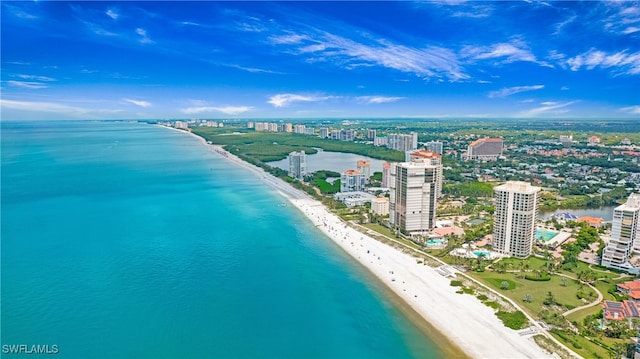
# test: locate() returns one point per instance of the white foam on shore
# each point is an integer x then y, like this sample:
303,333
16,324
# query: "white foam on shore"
462,318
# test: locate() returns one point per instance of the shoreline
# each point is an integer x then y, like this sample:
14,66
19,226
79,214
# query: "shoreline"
459,324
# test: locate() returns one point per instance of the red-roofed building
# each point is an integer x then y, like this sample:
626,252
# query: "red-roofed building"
626,309
632,289
595,222
485,149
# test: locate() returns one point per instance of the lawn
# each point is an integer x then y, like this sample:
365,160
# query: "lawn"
586,348
532,262
582,266
579,316
538,290
380,229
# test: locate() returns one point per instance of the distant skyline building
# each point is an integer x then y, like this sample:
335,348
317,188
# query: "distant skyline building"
402,142
485,149
352,181
371,134
593,141
342,135
625,236
516,207
435,146
414,194
181,125
297,165
324,132
566,140
380,141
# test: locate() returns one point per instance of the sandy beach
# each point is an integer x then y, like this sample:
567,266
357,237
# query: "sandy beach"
468,323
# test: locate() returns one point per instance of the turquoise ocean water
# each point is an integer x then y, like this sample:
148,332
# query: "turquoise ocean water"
131,240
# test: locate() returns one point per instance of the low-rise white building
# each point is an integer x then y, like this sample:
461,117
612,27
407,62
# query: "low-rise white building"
380,205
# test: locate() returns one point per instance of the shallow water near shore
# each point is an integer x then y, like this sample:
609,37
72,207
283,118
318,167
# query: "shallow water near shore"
130,240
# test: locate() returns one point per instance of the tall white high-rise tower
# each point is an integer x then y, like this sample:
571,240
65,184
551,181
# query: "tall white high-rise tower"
516,206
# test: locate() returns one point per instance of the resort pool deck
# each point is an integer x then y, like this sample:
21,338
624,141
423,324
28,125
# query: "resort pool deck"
545,235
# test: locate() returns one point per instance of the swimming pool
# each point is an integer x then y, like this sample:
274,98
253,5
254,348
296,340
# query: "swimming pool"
435,242
478,253
545,235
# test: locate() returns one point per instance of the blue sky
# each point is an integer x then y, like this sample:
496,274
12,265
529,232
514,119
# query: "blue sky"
160,60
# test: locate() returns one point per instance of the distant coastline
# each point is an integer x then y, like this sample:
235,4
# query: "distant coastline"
480,333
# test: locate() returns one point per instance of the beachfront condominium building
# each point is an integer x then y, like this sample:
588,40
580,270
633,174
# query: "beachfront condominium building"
431,158
414,193
297,165
435,146
352,181
380,206
323,132
485,149
516,206
625,236
364,166
402,142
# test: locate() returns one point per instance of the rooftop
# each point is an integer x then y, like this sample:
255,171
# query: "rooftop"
517,186
483,140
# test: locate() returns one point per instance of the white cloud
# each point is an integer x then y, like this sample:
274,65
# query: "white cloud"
508,91
143,36
548,107
474,12
633,110
622,62
288,39
138,102
112,14
506,52
253,69
233,110
321,46
34,77
377,99
283,100
229,110
32,85
561,25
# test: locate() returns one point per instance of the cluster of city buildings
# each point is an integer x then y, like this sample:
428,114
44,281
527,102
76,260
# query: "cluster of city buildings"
184,125
414,189
281,127
416,184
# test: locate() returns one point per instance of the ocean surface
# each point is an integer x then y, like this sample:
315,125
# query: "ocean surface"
132,240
